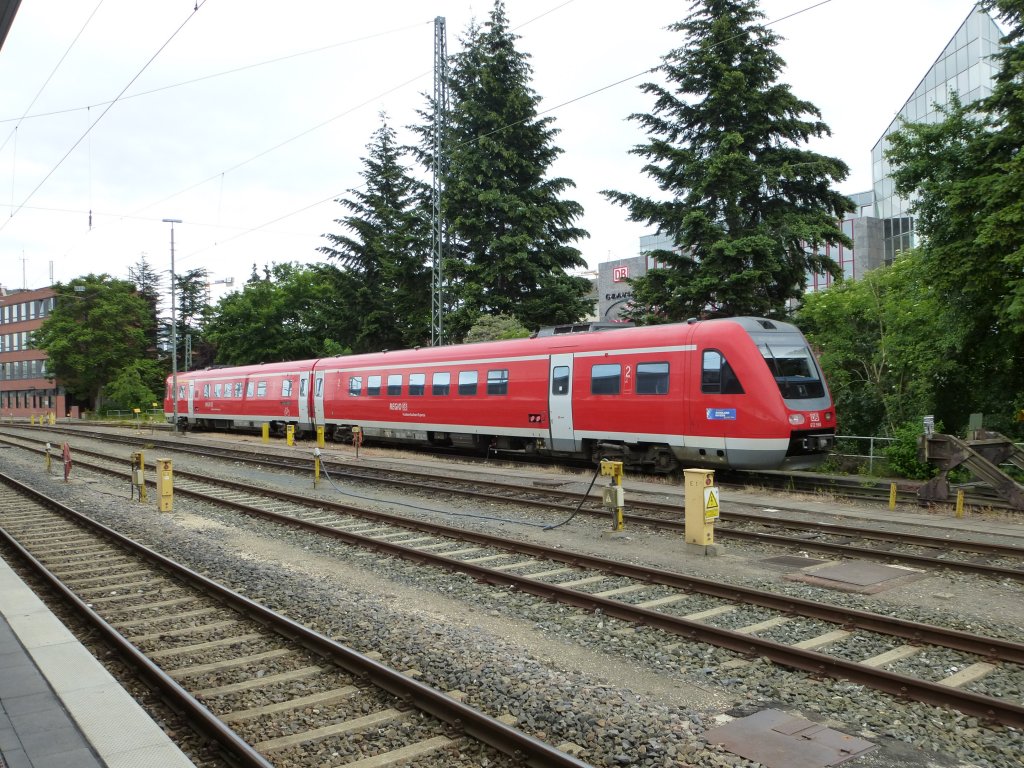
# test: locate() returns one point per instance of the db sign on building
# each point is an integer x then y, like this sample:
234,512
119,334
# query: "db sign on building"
620,274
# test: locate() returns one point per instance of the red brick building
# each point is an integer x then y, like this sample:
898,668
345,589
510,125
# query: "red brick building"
25,389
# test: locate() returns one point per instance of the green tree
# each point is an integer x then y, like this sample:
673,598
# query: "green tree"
99,326
965,176
497,328
510,231
887,345
384,250
192,316
131,387
746,204
291,315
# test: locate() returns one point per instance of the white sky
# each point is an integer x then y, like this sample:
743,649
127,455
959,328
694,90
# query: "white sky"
213,154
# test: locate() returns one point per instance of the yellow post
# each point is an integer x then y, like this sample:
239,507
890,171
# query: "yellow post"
290,434
319,437
702,509
165,484
316,466
614,498
266,432
32,419
960,503
53,418
892,496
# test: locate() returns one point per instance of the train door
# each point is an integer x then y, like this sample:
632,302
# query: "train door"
191,399
318,398
563,437
303,400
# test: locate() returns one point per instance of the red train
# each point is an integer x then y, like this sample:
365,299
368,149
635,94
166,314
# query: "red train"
744,393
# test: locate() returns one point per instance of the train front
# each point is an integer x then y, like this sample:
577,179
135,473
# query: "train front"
807,403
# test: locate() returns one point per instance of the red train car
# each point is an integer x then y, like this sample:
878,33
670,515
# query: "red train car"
744,393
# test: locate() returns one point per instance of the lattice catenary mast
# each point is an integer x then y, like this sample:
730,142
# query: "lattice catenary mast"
436,222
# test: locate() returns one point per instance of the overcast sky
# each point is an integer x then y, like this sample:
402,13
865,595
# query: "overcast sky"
246,119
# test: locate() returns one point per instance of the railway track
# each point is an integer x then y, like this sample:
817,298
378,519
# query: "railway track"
243,674
816,637
915,550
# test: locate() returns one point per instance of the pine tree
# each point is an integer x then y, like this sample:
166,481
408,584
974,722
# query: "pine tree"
383,252
510,233
747,206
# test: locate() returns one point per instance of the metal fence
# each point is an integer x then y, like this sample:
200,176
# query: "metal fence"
855,453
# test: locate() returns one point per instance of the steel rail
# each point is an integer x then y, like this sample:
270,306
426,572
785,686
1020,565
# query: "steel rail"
466,719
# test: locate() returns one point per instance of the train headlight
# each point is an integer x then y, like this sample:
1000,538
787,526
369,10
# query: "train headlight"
828,416
797,419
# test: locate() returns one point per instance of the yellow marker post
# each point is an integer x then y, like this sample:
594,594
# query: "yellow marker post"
316,466
702,509
892,496
320,437
53,418
960,503
614,497
266,432
165,484
290,434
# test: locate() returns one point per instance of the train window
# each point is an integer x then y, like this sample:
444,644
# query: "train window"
227,389
373,385
417,383
206,391
238,389
261,389
467,382
181,391
216,390
717,376
394,384
248,389
652,378
794,371
286,388
320,386
605,379
560,380
355,386
497,382
302,387
441,383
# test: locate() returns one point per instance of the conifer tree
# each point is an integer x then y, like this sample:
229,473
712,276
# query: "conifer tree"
747,206
383,251
510,232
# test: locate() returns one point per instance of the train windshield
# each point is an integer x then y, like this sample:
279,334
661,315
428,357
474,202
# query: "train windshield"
794,370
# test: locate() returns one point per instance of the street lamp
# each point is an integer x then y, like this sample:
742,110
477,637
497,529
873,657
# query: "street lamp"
174,331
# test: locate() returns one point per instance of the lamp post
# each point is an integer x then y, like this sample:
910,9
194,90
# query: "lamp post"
174,331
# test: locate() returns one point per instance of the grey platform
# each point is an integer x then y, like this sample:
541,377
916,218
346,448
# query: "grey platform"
59,708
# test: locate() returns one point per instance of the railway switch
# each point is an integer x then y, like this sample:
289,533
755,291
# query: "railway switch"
165,484
702,509
139,474
614,497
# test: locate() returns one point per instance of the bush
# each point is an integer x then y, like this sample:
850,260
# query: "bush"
902,453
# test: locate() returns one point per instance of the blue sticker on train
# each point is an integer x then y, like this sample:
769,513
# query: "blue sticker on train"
721,414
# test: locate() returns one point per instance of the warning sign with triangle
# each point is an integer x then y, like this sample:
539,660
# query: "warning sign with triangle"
710,503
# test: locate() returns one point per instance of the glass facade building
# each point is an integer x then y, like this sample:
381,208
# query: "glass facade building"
965,67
